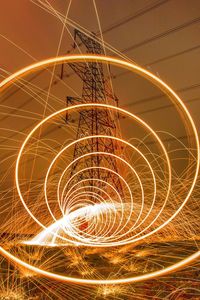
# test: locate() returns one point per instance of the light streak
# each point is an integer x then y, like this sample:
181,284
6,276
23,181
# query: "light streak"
190,127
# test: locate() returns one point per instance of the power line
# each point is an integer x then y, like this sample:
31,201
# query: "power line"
148,99
162,35
164,107
160,60
134,16
145,41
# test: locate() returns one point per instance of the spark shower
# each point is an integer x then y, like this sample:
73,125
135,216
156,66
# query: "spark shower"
91,214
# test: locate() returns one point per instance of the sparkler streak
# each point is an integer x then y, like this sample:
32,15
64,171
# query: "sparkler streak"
80,217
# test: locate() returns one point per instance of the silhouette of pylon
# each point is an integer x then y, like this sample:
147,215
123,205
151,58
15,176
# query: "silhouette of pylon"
95,121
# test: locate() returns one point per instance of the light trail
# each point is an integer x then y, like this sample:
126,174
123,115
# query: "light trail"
95,210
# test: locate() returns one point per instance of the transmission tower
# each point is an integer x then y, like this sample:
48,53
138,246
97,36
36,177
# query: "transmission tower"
94,121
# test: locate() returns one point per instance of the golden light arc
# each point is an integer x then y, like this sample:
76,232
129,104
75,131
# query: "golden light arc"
175,99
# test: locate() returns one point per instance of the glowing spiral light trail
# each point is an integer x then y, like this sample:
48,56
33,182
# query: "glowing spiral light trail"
75,205
67,197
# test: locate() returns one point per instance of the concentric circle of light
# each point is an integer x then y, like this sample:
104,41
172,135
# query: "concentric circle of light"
175,99
110,154
83,106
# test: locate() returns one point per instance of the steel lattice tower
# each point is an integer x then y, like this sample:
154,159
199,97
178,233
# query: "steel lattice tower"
94,121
